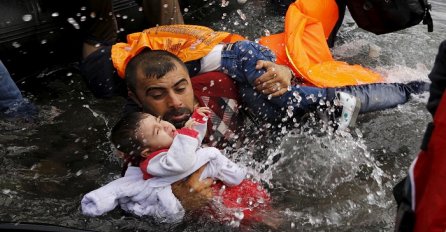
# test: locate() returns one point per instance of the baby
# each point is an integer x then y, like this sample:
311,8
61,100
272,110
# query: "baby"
166,156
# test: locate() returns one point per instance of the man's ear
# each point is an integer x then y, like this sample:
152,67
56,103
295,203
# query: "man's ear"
134,97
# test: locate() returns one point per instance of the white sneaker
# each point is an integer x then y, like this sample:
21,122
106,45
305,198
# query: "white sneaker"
350,110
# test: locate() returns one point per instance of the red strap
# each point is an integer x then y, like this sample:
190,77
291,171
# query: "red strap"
198,117
143,165
189,132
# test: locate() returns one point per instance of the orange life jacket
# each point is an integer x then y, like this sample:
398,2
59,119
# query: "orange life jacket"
188,42
303,46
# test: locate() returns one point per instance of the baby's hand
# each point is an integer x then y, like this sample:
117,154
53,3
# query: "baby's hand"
190,123
203,111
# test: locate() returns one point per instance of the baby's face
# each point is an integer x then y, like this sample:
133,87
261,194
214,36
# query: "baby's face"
156,133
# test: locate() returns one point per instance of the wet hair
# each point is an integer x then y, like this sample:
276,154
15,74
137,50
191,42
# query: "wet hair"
152,63
124,134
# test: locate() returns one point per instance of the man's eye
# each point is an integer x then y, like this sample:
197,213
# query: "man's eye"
156,95
180,89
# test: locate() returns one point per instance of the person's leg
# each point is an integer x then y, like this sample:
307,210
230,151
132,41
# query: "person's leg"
239,61
12,103
382,96
9,92
162,12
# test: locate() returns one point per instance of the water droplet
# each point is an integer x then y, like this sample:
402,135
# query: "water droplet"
55,14
186,10
27,17
166,5
73,22
78,173
6,191
16,44
290,111
241,14
359,133
239,215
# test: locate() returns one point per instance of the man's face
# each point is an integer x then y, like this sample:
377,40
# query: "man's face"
170,97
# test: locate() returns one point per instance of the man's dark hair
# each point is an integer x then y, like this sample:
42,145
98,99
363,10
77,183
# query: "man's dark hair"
124,134
152,63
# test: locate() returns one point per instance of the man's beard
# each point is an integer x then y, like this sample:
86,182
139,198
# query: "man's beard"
168,116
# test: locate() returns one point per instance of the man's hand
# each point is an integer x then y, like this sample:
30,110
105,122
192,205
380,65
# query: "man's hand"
193,193
275,81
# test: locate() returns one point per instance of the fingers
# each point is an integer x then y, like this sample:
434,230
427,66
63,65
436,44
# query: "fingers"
195,183
190,123
270,73
275,80
203,111
204,188
273,85
264,64
274,89
279,92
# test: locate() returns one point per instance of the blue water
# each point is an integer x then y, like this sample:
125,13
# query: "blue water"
321,182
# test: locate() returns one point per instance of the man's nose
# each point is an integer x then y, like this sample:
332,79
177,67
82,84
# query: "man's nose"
174,100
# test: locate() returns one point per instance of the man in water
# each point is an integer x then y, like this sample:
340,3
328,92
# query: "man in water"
171,94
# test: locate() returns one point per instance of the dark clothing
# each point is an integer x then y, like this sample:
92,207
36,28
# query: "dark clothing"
101,26
100,75
438,78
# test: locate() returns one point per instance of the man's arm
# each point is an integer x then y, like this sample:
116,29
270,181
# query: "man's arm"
193,193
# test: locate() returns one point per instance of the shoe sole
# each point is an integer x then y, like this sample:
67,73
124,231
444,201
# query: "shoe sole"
355,113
